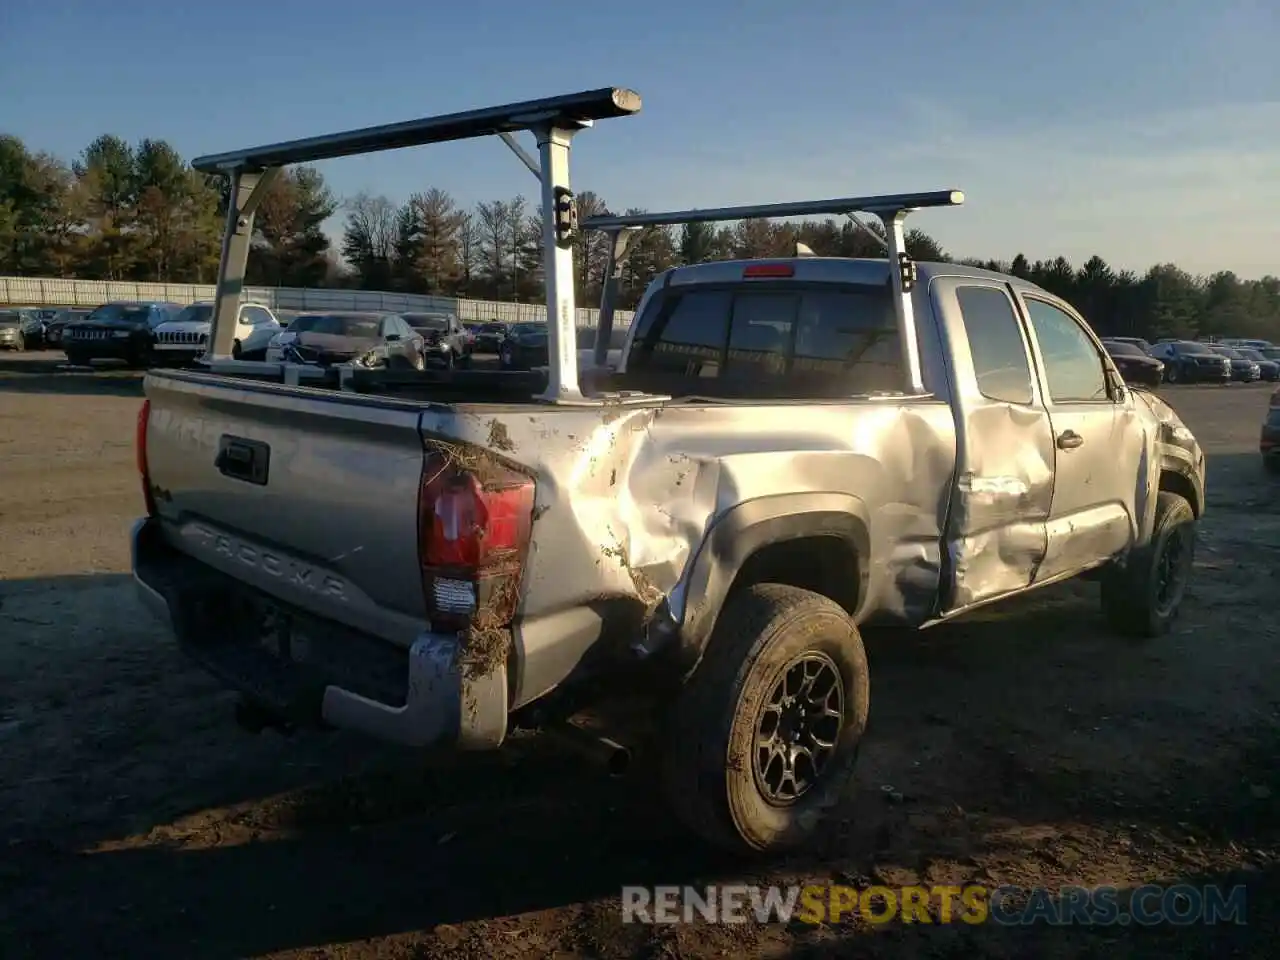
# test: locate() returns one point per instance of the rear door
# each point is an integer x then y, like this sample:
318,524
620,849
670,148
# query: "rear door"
1098,457
996,535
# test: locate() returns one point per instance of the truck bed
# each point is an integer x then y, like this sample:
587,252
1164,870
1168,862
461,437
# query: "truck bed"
625,497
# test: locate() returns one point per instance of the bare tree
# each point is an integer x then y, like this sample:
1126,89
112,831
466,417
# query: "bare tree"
515,214
491,218
468,250
369,238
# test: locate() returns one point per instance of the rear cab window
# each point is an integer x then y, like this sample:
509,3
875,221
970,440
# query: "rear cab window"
782,340
996,344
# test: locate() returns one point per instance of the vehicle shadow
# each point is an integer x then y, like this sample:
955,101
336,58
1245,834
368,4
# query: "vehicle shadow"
216,844
47,372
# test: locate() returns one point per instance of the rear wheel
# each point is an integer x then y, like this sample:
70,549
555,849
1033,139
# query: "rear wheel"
21,343
1271,465
765,735
1142,598
237,351
1171,373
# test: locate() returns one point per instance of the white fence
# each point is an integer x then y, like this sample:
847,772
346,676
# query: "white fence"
41,291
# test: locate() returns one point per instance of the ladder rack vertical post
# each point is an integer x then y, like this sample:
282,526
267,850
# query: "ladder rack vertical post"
557,252
247,187
902,273
620,244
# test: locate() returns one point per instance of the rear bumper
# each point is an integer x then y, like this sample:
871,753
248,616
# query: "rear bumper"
344,679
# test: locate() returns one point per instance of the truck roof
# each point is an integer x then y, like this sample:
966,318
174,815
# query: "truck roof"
862,270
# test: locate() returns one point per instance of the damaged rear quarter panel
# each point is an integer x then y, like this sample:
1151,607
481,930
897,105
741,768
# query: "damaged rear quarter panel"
627,497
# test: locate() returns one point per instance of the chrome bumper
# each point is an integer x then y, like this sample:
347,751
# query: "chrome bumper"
444,706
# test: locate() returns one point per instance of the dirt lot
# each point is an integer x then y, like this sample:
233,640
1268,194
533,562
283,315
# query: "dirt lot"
1026,747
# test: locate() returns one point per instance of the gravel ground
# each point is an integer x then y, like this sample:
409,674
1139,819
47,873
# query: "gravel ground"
1023,746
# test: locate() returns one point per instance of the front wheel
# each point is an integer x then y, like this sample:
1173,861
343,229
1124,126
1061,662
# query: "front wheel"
1142,598
765,734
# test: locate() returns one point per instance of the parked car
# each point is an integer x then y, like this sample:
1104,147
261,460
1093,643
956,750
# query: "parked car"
1138,342
489,337
21,328
1269,369
336,337
445,341
1271,353
117,331
1186,361
1243,369
13,335
524,347
186,337
1246,342
1134,364
1269,442
53,329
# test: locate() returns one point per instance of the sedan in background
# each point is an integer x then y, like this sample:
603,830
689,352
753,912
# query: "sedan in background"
1242,369
117,331
1186,361
1137,368
524,347
1138,342
53,329
21,328
444,339
1270,367
13,336
336,337
489,337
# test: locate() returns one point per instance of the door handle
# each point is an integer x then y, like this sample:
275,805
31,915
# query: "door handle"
1069,440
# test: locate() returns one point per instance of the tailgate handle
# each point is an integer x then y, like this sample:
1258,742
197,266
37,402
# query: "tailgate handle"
242,459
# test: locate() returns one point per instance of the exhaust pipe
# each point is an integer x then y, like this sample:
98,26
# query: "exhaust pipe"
613,756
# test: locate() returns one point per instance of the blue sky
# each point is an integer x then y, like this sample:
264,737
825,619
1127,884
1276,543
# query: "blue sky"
1142,131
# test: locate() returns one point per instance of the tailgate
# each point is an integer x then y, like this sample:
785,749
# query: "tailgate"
308,495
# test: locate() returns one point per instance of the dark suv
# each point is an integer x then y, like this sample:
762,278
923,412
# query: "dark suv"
1186,361
117,331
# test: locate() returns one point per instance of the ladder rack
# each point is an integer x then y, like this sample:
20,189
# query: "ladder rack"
892,210
553,121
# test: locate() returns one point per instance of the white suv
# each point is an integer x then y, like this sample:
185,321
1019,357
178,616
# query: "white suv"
186,337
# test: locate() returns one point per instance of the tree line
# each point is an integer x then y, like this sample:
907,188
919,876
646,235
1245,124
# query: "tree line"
122,211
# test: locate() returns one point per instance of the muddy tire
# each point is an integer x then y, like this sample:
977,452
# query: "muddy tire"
1142,598
782,662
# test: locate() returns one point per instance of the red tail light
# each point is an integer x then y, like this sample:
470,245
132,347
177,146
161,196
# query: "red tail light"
473,528
140,452
761,270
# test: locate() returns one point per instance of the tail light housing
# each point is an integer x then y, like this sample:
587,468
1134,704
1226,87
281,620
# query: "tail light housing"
474,525
140,452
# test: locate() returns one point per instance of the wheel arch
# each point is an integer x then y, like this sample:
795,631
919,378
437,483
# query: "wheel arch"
816,541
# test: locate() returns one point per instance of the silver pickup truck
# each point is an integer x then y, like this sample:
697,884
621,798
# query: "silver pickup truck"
788,449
